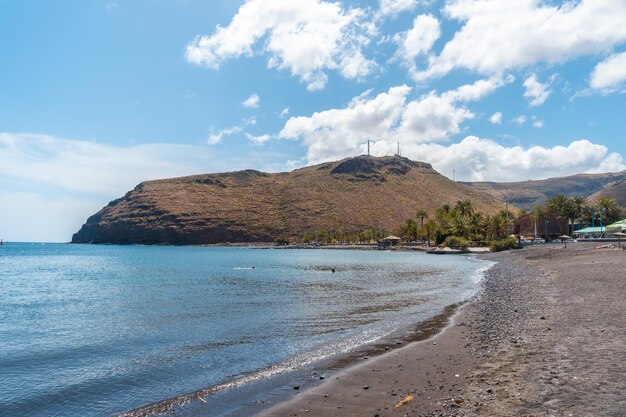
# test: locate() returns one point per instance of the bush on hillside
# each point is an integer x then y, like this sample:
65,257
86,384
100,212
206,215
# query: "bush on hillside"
456,242
503,244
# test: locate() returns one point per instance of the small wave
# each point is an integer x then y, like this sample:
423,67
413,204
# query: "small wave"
293,364
243,268
479,274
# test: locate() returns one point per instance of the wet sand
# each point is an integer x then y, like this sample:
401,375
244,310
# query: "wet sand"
545,337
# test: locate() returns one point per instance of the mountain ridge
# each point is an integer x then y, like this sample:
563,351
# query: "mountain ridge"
526,194
353,194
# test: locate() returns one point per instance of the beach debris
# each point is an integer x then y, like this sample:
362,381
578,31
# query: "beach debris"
296,387
404,401
201,399
366,387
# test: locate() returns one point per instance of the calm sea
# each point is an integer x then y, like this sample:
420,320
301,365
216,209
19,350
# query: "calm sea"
99,330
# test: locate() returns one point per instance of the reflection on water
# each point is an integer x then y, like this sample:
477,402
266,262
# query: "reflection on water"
97,330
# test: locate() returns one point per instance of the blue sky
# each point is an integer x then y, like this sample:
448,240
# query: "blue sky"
96,96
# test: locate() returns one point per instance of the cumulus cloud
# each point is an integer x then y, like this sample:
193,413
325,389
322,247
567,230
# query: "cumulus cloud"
418,40
284,112
251,102
394,7
537,92
307,37
477,159
339,132
496,118
386,119
609,74
501,35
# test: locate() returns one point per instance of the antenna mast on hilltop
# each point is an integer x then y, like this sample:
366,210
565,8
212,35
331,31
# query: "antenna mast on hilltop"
368,147
454,175
398,154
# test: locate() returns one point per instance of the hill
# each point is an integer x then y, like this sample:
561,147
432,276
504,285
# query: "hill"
526,194
616,191
353,194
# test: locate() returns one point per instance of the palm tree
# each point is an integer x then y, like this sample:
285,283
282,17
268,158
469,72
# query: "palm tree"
476,222
562,207
463,208
431,227
497,226
422,214
459,226
612,210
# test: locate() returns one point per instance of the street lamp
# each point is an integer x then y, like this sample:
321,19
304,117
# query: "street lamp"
545,228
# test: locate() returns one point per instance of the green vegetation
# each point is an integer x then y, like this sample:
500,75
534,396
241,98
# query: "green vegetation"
503,244
578,210
456,242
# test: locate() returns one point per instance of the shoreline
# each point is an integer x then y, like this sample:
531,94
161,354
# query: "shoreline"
540,338
255,390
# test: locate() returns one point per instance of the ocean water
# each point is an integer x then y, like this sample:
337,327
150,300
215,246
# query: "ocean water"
99,330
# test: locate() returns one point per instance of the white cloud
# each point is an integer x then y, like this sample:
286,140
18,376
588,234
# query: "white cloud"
258,140
476,159
339,132
520,120
385,119
394,7
90,167
419,39
49,185
307,37
284,112
537,122
501,35
251,102
496,118
215,138
537,92
610,73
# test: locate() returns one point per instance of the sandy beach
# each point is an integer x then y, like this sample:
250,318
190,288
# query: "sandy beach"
545,337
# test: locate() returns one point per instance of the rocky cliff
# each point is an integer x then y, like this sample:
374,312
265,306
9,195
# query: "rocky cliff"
250,206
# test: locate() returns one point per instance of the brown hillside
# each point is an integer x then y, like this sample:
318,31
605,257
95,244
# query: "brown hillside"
526,194
247,206
616,191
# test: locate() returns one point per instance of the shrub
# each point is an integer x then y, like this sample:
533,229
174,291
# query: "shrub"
503,244
456,242
441,236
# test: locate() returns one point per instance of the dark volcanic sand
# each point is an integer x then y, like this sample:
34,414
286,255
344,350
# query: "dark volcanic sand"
546,337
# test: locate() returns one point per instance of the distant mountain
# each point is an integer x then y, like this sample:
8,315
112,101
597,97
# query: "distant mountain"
526,194
616,191
354,194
